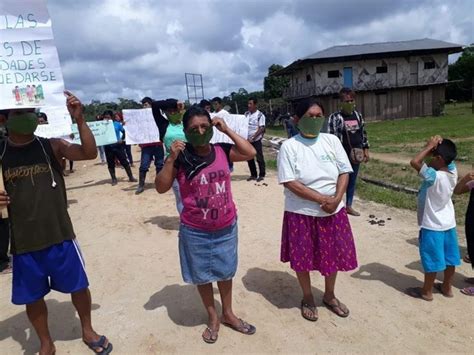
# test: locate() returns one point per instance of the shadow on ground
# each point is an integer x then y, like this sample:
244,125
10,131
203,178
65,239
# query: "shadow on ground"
64,325
279,288
165,222
182,303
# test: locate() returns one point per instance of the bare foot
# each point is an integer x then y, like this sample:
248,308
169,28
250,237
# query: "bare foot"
47,349
444,289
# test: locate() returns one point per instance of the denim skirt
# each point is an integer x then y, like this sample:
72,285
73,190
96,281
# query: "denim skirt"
207,256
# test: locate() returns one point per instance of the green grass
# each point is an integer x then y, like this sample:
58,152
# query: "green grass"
277,131
407,136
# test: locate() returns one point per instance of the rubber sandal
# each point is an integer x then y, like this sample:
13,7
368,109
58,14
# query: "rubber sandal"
312,309
212,334
416,292
468,291
333,307
94,345
243,328
439,287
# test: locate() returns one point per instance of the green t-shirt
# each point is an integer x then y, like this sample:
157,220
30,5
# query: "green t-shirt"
174,132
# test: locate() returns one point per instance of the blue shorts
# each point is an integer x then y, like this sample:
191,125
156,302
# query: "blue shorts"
439,249
59,267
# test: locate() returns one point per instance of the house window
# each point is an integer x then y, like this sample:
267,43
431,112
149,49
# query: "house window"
381,70
430,65
333,74
308,77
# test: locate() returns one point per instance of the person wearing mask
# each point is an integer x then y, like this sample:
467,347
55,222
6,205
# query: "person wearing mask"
45,252
255,135
116,150
348,125
316,235
208,230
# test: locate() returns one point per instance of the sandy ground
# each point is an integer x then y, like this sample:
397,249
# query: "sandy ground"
142,305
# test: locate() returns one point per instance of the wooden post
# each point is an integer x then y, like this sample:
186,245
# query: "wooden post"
236,107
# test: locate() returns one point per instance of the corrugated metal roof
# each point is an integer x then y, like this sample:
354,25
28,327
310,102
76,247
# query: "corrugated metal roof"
384,47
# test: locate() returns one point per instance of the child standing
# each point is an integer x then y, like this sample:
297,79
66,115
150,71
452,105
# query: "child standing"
208,230
439,250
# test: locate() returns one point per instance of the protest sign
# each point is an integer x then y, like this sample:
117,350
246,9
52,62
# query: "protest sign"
103,131
238,123
30,74
140,127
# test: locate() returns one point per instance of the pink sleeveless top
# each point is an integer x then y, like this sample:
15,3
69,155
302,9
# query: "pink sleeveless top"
207,197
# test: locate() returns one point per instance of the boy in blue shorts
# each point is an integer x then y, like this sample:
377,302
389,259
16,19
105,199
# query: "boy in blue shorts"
45,252
439,250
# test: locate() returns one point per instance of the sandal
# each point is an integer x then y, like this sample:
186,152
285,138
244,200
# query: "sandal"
243,327
439,286
466,259
338,306
213,335
309,309
468,291
7,270
100,344
417,292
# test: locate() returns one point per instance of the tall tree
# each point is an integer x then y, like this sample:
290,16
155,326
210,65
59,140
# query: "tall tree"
273,86
462,69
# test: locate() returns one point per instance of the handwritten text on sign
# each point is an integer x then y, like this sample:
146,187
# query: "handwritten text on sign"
140,127
30,74
103,131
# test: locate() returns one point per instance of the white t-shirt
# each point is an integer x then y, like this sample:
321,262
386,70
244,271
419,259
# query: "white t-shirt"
317,164
256,119
435,207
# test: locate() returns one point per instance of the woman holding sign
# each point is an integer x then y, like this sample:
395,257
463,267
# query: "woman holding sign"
208,230
45,252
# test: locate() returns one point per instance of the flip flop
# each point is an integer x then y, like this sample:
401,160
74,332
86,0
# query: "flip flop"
439,286
468,291
417,292
7,270
312,309
213,335
466,259
94,345
334,307
243,327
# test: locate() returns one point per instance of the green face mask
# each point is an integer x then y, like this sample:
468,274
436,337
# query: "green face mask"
310,126
24,123
197,139
348,107
175,118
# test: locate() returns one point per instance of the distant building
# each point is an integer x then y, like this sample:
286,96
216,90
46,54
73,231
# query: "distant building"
392,79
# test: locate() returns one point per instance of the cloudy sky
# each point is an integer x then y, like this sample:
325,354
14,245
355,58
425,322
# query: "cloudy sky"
129,48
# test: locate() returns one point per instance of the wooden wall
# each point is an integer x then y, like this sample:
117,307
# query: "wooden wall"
391,104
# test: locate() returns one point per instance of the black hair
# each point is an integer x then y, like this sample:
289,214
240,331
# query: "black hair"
253,99
147,99
194,111
305,105
4,112
446,150
217,99
204,103
108,113
346,91
43,116
171,104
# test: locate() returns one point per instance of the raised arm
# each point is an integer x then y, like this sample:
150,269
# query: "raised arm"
87,150
242,149
164,179
461,186
417,162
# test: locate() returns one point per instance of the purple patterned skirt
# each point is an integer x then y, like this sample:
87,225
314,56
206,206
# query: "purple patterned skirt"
312,243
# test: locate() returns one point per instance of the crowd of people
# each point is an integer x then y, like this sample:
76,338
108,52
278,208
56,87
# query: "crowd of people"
317,166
